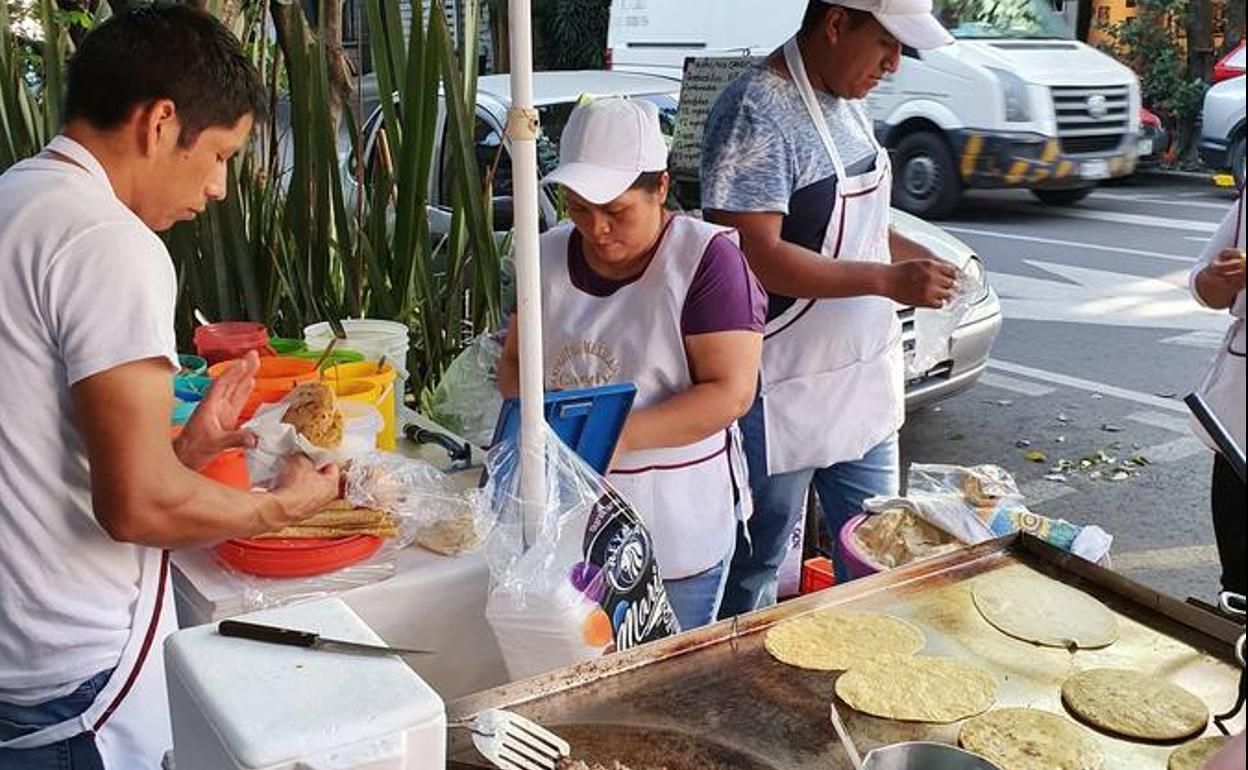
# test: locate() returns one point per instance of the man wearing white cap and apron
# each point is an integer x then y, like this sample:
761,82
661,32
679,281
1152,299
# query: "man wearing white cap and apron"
92,489
633,293
791,161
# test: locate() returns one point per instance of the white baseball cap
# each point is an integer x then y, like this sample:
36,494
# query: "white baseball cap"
606,145
910,21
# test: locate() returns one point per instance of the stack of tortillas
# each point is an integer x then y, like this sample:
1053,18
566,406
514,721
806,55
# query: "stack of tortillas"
339,519
1133,705
1029,739
1028,606
883,676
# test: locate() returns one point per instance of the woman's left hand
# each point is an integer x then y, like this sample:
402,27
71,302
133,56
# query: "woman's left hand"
213,428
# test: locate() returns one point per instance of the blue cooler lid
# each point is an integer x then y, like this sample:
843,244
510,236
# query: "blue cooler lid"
589,421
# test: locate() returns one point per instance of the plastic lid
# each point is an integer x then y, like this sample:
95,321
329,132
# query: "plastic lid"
232,333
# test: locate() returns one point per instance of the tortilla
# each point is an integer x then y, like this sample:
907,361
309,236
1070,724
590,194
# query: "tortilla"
917,689
1028,739
1134,705
1033,608
1195,755
313,412
832,640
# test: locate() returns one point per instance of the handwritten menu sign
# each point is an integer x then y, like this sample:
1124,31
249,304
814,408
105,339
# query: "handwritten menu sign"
704,80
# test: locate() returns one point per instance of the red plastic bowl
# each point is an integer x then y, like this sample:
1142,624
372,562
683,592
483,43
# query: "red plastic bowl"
297,558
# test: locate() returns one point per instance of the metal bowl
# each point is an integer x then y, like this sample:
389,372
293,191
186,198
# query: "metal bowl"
924,756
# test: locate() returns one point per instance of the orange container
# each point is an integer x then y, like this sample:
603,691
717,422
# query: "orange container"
275,372
817,574
229,468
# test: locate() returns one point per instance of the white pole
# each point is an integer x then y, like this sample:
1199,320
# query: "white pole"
522,128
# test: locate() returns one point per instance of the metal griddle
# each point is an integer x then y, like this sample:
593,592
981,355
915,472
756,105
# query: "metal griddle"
713,698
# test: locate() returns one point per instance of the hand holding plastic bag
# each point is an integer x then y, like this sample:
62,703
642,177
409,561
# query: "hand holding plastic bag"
933,328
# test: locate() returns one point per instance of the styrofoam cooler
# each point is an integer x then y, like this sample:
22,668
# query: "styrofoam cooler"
237,704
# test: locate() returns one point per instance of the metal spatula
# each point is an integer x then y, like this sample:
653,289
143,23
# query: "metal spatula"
514,743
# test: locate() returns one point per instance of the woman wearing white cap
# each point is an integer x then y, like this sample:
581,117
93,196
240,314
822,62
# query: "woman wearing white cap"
634,293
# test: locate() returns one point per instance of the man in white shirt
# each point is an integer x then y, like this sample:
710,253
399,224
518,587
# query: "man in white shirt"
92,490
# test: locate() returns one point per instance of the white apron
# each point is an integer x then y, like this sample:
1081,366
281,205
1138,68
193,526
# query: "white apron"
687,496
130,715
1223,387
833,372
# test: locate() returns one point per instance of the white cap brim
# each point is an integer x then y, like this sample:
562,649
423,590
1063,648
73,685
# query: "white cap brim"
920,31
596,184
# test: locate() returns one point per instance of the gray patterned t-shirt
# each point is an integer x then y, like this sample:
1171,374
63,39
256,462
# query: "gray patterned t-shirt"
760,146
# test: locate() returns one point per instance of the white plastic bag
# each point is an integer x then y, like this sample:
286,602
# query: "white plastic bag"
934,327
984,503
578,579
438,515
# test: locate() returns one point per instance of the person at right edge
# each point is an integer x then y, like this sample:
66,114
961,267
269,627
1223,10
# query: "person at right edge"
1217,282
791,162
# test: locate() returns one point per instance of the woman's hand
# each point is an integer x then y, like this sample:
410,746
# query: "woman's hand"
213,428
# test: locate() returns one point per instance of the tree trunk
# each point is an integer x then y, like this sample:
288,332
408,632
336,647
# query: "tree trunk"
500,35
1200,39
340,86
1235,10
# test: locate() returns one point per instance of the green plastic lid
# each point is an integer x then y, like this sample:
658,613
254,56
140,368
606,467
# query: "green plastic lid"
286,346
337,356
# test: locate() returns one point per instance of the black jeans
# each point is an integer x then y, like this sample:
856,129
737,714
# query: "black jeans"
1230,524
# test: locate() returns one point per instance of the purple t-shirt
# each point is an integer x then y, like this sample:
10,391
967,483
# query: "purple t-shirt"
724,295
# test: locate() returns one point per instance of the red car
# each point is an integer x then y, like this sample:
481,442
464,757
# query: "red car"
1153,141
1231,65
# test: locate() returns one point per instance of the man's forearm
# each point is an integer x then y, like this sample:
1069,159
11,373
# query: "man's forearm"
791,271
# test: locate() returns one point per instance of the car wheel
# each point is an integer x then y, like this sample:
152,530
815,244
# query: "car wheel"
1062,197
1236,159
926,182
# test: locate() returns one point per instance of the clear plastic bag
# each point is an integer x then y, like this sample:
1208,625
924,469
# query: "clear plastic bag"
572,577
933,327
466,400
438,515
983,503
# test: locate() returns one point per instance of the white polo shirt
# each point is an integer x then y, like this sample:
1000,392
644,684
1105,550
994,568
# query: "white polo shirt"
85,286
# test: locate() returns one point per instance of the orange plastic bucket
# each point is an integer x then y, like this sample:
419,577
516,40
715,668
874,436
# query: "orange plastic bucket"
275,372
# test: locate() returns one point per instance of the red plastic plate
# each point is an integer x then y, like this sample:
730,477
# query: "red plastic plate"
297,558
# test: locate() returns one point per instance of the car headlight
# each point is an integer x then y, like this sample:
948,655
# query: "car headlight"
1014,91
974,271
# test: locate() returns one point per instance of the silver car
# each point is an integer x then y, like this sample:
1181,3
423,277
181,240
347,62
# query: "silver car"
556,93
1222,128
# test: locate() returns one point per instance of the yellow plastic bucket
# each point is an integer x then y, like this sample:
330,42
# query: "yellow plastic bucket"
385,397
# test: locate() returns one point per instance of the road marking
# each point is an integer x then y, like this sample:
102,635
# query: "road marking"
1041,491
1167,558
1173,451
1196,239
1161,201
1161,420
1078,383
1088,295
1207,339
1015,385
1145,220
1077,244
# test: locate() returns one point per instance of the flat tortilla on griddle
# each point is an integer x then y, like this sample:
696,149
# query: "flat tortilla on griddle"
917,689
1030,739
1031,607
834,640
1195,755
1133,705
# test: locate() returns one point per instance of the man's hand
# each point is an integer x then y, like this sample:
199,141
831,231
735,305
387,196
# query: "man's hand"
921,282
212,429
300,491
1227,270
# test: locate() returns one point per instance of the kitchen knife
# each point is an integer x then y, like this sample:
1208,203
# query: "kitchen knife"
305,639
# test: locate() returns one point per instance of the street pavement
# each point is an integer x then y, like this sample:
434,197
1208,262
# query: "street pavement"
1101,339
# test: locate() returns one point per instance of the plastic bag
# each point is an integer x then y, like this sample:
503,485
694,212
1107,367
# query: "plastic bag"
276,440
983,503
572,578
439,516
466,400
933,327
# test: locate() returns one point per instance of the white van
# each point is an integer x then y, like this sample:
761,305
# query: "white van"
1015,102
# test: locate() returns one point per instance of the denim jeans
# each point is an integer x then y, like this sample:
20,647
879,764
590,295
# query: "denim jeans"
780,502
695,599
77,753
